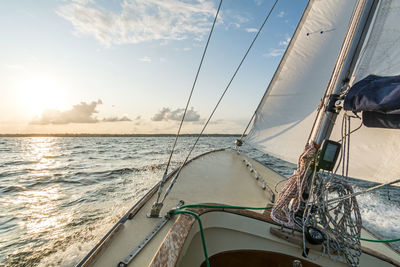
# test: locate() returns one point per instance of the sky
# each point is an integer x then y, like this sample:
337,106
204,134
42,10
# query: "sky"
127,66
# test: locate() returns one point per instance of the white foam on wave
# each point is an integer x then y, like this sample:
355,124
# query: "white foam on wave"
380,215
75,251
69,257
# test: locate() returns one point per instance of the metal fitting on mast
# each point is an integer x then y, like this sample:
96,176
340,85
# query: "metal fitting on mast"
344,68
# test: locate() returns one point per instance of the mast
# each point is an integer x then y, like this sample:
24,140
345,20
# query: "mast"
356,34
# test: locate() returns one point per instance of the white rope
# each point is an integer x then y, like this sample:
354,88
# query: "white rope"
340,223
290,197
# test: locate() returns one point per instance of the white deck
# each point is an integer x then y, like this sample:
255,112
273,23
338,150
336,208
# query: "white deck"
217,177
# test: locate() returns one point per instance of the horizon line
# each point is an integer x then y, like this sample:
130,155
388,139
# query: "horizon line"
114,135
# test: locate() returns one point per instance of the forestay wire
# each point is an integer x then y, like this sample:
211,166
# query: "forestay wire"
187,103
219,101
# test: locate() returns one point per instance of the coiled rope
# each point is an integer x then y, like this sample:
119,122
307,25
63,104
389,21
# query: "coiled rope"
325,203
340,223
290,197
304,202
182,210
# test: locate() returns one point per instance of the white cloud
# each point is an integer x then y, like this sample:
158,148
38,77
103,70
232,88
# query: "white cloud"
251,30
234,20
82,2
236,25
166,114
285,42
241,19
114,119
258,2
145,59
79,113
273,52
281,14
187,49
140,20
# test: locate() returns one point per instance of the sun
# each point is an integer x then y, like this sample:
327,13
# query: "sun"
40,93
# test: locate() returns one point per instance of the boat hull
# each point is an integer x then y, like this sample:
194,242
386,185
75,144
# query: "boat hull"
225,177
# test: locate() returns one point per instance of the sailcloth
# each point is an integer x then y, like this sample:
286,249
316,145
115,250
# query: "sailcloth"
375,153
286,113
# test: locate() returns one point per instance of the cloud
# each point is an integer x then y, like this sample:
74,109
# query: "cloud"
258,2
236,25
241,19
281,14
145,59
114,119
166,114
277,52
285,42
273,52
140,20
235,20
251,30
79,113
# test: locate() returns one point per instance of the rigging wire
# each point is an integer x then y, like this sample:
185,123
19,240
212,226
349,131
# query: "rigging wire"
188,101
219,101
182,210
356,129
248,125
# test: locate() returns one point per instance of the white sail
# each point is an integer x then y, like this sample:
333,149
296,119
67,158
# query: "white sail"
381,52
286,113
374,153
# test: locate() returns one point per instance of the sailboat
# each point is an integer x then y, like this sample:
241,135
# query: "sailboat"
224,208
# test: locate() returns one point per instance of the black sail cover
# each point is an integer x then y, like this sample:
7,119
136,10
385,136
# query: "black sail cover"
379,100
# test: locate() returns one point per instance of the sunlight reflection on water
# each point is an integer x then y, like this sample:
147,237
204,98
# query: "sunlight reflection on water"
61,195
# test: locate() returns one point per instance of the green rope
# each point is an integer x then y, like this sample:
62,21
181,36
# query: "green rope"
180,211
380,241
201,230
223,207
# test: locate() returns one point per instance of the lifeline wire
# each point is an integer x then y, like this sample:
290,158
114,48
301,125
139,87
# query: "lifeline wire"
187,103
219,101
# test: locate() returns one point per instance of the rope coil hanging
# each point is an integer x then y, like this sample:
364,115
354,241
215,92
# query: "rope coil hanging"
290,197
306,202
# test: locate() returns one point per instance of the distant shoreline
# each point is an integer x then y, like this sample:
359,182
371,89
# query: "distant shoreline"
115,135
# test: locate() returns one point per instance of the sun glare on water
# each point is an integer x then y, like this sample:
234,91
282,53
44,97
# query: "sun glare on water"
40,93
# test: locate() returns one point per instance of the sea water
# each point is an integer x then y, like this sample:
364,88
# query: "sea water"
60,195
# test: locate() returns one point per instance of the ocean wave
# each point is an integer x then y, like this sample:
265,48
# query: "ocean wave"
120,171
92,189
13,173
20,162
52,156
47,169
107,173
12,188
